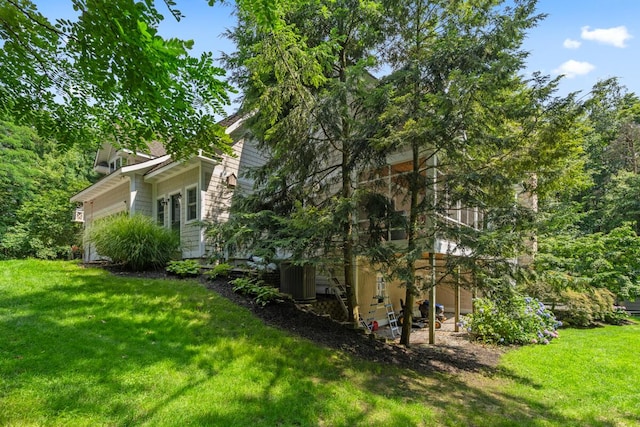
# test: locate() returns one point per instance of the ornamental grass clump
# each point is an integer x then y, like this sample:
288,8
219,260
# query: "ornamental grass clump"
515,320
135,242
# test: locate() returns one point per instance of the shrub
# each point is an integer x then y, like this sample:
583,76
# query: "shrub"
262,294
186,268
517,320
136,242
618,316
589,308
220,270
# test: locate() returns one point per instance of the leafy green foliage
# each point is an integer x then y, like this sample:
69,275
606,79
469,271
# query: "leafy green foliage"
590,307
597,260
588,236
136,242
109,74
36,182
220,270
475,132
515,320
261,293
20,154
621,202
184,268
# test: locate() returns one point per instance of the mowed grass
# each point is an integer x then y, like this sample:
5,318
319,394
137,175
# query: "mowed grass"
83,347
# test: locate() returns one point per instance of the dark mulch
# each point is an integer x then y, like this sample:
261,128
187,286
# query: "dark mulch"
452,353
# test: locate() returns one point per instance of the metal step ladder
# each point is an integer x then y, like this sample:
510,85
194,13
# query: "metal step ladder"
340,291
391,317
381,299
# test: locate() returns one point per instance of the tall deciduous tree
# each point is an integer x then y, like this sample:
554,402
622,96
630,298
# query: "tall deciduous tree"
110,74
589,235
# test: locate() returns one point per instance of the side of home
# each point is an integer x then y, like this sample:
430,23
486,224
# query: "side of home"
178,194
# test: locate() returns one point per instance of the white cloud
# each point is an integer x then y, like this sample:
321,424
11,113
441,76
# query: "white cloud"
573,68
571,44
615,36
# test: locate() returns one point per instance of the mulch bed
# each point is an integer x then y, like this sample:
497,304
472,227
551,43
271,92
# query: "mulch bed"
452,353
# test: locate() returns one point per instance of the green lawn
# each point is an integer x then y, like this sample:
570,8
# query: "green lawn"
82,347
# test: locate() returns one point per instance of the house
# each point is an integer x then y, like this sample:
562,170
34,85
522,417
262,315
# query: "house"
389,181
178,194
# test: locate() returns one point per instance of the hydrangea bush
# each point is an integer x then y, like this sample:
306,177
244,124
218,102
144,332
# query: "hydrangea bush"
518,320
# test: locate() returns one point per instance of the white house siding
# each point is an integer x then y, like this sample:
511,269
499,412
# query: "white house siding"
115,201
216,193
248,158
190,232
217,199
141,196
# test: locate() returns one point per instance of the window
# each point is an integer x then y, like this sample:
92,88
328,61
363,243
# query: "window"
192,203
115,164
160,211
175,212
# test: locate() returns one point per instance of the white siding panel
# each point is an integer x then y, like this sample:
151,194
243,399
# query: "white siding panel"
141,196
117,200
190,233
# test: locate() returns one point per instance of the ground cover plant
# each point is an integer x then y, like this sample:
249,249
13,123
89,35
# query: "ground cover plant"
184,268
85,347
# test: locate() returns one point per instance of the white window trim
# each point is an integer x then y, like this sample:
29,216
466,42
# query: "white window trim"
115,160
169,208
186,204
162,199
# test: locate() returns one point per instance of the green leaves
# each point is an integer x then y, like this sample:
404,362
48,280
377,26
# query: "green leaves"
135,242
36,182
109,74
595,260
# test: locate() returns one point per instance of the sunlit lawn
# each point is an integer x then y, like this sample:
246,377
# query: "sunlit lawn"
82,347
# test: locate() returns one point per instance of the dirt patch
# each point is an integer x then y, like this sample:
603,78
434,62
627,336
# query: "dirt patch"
453,351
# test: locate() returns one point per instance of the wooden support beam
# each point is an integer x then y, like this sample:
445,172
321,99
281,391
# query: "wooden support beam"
432,299
457,302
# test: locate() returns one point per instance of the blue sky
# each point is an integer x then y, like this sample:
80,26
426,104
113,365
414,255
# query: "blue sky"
587,40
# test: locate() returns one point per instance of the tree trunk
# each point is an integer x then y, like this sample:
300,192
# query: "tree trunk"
414,189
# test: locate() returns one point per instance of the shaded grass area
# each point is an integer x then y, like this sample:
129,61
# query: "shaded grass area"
82,347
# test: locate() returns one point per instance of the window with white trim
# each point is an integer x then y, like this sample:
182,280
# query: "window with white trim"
115,164
160,204
192,203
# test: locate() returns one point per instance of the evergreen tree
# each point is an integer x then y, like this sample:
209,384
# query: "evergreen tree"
475,131
306,83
